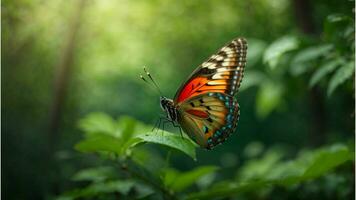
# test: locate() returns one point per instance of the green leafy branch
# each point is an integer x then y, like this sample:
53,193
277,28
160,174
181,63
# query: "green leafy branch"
103,134
144,174
120,141
271,171
329,58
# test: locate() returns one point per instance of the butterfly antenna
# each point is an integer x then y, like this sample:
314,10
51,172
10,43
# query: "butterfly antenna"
150,84
149,75
143,78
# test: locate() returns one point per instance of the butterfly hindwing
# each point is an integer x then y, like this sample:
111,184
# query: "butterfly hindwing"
210,118
221,73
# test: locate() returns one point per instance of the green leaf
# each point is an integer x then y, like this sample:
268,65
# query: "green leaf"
174,141
97,174
335,24
261,168
98,189
151,160
306,167
256,48
254,78
303,59
312,53
334,18
127,126
169,175
97,123
119,138
268,97
327,160
279,47
132,142
100,143
341,75
228,189
323,70
180,181
253,149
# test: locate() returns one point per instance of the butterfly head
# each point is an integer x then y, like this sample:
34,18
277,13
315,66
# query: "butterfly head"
167,105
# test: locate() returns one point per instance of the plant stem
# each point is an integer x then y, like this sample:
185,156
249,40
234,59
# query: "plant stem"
125,167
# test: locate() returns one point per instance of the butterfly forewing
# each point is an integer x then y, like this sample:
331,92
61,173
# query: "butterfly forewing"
221,73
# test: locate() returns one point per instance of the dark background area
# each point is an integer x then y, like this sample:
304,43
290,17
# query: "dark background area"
62,60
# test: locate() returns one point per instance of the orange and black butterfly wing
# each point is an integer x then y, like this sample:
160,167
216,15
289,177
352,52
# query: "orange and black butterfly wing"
209,118
221,73
208,111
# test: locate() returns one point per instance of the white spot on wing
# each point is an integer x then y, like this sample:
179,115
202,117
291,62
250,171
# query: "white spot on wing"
226,64
212,66
222,69
226,49
219,58
213,56
217,76
209,65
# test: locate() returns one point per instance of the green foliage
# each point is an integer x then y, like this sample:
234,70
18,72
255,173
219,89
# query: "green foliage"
341,75
256,49
121,136
255,78
268,98
271,171
98,123
279,47
289,55
264,169
172,140
178,181
327,159
100,143
97,174
304,59
324,70
101,189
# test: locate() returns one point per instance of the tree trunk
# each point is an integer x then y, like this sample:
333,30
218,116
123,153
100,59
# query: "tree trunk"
63,72
317,135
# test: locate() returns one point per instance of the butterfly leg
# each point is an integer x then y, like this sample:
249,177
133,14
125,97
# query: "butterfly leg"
180,129
164,123
158,124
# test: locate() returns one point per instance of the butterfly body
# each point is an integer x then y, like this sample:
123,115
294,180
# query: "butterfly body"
205,106
168,106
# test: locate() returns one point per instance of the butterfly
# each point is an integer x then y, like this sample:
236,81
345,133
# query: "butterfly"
205,106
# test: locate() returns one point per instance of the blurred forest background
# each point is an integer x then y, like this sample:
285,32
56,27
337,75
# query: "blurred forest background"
72,97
